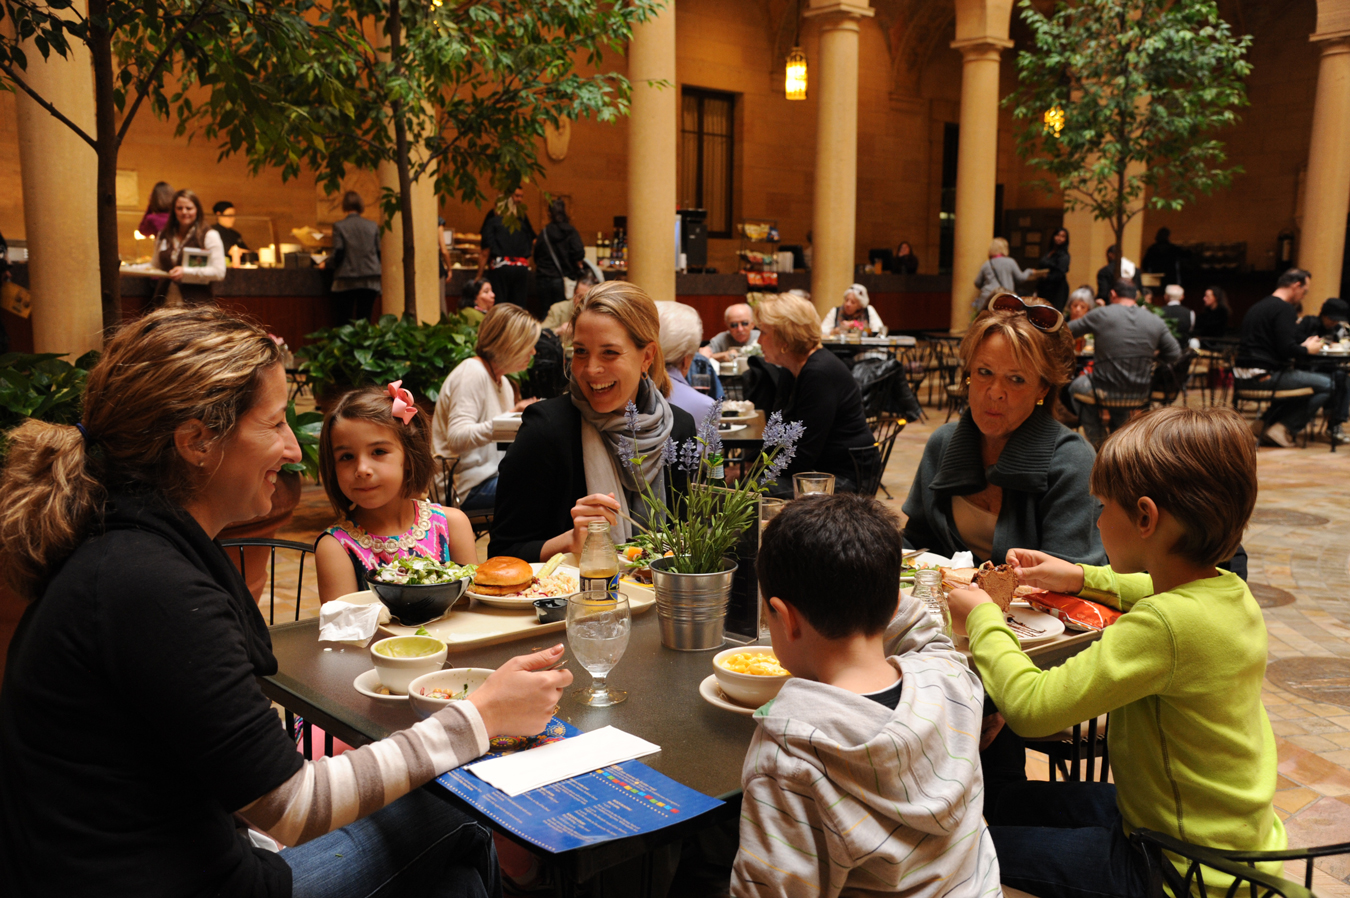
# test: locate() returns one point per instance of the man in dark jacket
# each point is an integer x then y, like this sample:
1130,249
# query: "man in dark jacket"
1268,349
1330,324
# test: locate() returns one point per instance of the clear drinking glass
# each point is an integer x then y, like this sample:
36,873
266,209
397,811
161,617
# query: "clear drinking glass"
701,381
598,625
808,482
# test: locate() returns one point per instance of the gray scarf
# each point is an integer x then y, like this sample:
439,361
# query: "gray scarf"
655,423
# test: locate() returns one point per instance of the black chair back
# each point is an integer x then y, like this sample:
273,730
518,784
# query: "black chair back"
271,546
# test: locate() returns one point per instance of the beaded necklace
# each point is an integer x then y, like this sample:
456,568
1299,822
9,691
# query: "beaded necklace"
389,545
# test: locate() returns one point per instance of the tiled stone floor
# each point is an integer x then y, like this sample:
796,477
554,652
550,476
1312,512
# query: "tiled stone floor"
1291,552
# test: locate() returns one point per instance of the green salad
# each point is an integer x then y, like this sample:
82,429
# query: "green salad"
418,571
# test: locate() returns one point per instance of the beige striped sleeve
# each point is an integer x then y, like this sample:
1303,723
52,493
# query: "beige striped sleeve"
329,793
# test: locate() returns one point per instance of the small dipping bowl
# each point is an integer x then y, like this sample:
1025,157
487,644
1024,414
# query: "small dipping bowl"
751,690
550,611
455,679
399,660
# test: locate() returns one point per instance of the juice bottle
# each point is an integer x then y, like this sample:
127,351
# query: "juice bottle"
599,560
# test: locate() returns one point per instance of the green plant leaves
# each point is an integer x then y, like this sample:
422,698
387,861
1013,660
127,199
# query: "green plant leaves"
42,386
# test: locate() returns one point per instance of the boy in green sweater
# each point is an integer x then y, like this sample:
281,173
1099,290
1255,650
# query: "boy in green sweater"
1191,747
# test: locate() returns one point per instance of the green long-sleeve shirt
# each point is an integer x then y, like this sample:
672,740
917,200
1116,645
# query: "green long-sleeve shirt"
1192,751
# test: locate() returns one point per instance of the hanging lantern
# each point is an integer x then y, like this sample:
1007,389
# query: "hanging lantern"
1054,121
794,81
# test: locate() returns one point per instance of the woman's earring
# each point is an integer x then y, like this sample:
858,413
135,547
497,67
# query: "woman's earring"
1040,402
967,381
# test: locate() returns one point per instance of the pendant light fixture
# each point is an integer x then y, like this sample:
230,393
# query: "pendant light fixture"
794,76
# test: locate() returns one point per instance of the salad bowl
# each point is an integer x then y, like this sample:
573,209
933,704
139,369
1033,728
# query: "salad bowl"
431,692
426,590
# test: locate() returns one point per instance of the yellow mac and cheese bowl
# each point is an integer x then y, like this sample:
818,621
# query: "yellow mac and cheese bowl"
750,675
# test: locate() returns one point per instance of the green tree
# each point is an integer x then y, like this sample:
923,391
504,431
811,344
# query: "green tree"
134,47
1119,99
459,92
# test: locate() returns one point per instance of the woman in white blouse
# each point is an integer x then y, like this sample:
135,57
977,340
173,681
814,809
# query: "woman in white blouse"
191,274
857,310
476,392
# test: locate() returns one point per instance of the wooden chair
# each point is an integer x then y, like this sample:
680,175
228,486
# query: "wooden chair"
1237,865
272,545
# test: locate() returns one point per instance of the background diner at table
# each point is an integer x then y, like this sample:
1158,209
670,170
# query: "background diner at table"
822,394
857,313
566,467
134,610
681,332
474,393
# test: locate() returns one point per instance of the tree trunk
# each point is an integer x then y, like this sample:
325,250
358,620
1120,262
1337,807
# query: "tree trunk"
403,164
105,135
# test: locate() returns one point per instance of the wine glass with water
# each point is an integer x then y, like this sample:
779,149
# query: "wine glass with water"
598,624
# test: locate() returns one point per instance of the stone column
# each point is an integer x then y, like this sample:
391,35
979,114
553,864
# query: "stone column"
652,140
976,169
1327,201
60,179
835,206
391,249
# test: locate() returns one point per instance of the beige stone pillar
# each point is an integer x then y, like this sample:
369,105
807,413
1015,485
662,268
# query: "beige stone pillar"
835,205
1327,201
976,169
60,177
653,120
391,249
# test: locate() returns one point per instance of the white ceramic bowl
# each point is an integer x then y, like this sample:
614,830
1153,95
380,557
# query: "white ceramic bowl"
752,690
454,679
397,673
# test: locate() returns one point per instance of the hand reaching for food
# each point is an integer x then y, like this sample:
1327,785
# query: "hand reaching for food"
1036,568
519,698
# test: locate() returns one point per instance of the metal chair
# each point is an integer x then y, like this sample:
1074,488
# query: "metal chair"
443,493
1237,865
869,463
1261,389
1119,386
272,545
1074,755
1169,381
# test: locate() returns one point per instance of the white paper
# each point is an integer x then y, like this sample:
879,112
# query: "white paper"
963,559
518,773
345,622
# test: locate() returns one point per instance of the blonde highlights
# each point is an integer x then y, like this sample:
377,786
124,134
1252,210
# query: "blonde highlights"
1198,465
630,305
506,334
793,320
1051,356
172,367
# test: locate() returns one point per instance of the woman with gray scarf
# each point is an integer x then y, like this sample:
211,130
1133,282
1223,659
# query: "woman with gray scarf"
568,464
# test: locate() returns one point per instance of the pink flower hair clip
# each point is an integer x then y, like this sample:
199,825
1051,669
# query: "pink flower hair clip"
403,402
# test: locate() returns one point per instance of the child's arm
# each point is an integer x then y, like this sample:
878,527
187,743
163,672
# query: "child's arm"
1135,657
336,577
463,547
1100,584
784,847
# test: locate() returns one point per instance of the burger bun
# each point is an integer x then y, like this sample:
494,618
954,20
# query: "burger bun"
503,576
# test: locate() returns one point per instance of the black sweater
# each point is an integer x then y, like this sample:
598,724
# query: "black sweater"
828,401
131,722
544,474
566,243
1270,336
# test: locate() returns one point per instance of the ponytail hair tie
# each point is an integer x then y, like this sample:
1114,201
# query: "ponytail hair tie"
404,406
84,434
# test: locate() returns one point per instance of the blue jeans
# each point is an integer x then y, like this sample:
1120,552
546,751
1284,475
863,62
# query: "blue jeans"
1070,842
1295,414
420,845
481,498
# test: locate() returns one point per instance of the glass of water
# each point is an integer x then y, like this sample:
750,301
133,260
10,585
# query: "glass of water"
598,625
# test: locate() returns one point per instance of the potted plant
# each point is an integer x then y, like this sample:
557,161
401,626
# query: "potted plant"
696,531
359,354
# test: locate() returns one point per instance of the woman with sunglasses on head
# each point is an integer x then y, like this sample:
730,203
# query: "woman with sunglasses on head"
1007,474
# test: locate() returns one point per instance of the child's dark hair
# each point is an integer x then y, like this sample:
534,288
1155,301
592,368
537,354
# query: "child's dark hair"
836,559
1198,465
375,405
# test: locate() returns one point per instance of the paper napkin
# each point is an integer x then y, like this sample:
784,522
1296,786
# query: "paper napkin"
525,770
345,622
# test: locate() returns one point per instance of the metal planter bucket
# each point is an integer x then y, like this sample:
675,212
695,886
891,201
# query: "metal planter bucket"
691,608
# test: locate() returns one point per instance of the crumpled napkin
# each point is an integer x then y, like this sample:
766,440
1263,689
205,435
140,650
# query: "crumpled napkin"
345,622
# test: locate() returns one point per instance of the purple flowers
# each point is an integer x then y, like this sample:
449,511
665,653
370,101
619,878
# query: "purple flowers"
780,440
670,453
708,433
630,414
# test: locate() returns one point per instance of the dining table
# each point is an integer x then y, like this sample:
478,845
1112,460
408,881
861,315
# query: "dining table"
702,746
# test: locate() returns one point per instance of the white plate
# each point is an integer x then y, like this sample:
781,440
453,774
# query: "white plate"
521,603
735,428
368,682
713,695
1052,625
